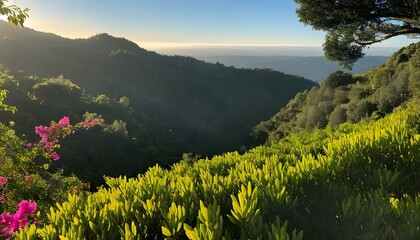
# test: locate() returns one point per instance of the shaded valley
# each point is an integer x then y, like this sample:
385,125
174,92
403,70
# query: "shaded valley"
159,106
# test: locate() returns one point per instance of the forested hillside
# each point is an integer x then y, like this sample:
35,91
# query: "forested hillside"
157,107
343,97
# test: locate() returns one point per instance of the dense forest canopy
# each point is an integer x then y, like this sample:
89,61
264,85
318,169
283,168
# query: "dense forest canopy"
352,26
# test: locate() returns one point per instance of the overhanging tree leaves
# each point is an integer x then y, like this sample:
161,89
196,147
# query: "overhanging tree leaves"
353,25
14,14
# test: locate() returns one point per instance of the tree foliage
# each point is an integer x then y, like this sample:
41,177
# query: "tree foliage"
14,14
337,79
337,116
352,25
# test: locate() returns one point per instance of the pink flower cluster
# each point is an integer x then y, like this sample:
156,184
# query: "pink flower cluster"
12,223
48,143
3,180
50,135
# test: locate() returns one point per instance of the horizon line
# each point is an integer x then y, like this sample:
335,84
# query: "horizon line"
165,45
178,45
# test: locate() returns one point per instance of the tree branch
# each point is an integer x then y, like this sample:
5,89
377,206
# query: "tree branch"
394,34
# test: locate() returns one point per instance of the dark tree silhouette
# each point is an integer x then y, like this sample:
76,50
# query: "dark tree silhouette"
352,25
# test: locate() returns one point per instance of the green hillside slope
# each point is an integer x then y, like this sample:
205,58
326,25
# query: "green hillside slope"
357,181
343,97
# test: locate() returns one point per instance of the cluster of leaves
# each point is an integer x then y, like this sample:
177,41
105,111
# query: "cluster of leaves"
343,97
356,181
14,14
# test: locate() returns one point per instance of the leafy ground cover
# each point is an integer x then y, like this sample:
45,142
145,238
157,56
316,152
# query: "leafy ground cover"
354,181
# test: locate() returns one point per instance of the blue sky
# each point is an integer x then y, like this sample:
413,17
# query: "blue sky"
155,24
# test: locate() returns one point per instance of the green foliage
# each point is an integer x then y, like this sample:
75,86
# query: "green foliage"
209,224
337,116
354,181
173,221
339,47
57,89
14,14
5,107
338,79
125,101
353,25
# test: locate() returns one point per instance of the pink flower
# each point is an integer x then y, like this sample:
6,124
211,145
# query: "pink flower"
48,146
6,228
65,121
50,135
12,223
26,208
40,130
1,197
27,178
55,156
3,180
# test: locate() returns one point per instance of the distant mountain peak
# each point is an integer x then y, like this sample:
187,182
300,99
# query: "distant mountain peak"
115,43
102,36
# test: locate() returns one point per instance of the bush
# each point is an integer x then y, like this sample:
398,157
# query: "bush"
21,178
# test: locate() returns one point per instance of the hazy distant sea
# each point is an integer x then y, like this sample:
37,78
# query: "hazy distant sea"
307,62
302,51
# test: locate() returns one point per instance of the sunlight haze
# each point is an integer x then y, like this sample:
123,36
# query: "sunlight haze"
162,25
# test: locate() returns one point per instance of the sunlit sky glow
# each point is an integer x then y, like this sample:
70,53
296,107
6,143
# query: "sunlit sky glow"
159,24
